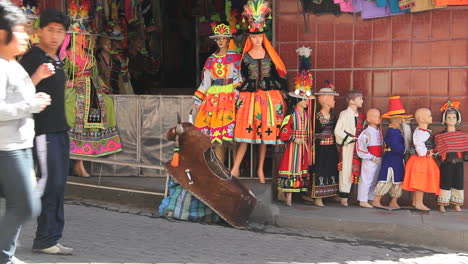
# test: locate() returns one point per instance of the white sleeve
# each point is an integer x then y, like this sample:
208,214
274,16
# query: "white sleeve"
340,135
17,110
419,139
361,147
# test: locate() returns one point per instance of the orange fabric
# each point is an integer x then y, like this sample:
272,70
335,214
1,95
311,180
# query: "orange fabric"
279,64
216,117
422,174
451,2
254,114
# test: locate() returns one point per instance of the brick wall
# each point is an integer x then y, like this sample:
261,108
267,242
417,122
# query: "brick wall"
422,57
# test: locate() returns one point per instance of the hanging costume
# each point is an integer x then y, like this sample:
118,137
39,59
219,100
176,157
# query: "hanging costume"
216,94
89,110
452,148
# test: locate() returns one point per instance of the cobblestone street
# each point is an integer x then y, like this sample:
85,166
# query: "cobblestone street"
105,236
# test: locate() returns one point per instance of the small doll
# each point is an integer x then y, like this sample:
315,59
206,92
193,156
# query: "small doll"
369,149
421,172
393,165
293,173
324,173
451,144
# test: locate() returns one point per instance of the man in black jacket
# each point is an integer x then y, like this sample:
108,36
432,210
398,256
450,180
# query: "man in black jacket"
51,144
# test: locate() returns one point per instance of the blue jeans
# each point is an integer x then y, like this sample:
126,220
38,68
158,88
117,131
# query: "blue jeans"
17,183
52,152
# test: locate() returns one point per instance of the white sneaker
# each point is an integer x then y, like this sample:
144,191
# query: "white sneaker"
55,250
14,260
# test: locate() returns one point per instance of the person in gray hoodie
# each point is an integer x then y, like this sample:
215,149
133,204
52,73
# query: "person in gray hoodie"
18,102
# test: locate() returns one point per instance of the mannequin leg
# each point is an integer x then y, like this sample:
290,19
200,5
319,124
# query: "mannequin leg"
419,196
289,199
80,169
376,201
318,202
240,153
442,208
261,162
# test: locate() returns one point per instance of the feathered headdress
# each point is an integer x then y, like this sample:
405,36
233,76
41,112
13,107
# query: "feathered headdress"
257,12
304,80
30,8
78,11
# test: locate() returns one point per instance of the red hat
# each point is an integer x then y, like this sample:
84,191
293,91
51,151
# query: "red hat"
396,109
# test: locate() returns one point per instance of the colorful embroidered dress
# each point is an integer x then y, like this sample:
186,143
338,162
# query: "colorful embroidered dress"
293,173
324,180
216,97
90,112
260,107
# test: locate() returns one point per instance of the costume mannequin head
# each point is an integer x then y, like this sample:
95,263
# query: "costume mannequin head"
29,27
222,42
423,117
396,122
451,117
257,39
373,117
354,98
326,101
105,44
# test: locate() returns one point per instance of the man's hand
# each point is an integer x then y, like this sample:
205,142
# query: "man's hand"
45,98
44,71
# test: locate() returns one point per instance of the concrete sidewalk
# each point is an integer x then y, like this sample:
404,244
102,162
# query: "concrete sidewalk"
433,229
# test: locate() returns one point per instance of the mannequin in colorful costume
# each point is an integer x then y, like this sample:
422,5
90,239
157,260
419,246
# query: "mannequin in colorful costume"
452,147
369,149
89,110
324,175
347,130
421,172
31,9
293,175
393,161
215,98
261,106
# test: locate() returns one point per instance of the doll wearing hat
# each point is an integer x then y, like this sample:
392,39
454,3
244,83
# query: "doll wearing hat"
293,175
215,98
324,172
392,171
452,146
421,172
347,130
369,149
261,106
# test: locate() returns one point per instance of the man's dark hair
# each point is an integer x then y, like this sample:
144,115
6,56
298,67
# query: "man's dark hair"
10,16
52,15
